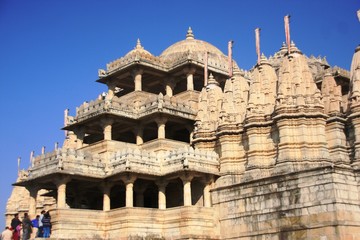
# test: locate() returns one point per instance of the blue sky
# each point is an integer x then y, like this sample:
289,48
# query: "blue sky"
51,51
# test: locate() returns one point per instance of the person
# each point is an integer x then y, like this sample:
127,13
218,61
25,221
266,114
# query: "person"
19,231
27,227
40,230
46,221
35,224
7,234
15,222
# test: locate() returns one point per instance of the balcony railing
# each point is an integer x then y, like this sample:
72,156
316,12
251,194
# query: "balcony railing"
138,106
83,162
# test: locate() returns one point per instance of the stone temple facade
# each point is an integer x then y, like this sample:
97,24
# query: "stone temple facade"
179,148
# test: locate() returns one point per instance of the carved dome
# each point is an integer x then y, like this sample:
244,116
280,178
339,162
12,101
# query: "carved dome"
195,49
138,49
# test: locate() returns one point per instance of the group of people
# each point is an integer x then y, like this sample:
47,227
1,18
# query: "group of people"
25,229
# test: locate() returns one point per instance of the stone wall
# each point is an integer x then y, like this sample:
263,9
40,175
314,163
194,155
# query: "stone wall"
315,204
135,223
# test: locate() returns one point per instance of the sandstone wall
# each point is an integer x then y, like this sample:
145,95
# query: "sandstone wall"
315,204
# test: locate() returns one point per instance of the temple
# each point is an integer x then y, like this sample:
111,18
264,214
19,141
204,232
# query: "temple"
186,145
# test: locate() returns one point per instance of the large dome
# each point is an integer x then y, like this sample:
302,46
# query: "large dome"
197,48
190,44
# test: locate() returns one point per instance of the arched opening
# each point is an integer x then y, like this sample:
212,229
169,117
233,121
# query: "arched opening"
177,131
127,136
117,196
181,85
151,196
145,194
150,132
174,193
197,192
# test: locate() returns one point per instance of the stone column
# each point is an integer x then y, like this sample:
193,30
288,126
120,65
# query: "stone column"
111,91
190,79
129,185
161,127
139,135
207,196
32,201
106,198
137,74
190,128
187,190
169,87
162,194
80,134
61,191
106,124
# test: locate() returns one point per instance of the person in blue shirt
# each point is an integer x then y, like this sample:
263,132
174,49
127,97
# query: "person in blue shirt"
35,223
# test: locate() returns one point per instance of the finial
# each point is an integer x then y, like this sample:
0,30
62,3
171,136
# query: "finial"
189,34
212,80
138,44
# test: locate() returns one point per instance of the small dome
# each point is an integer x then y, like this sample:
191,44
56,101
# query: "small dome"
138,49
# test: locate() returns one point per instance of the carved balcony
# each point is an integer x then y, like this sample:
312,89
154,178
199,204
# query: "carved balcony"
139,104
129,159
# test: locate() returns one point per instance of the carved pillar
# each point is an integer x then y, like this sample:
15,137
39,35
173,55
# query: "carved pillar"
137,74
140,135
111,91
106,198
187,190
169,87
207,196
32,201
161,127
190,128
190,79
61,191
162,194
80,134
106,124
129,185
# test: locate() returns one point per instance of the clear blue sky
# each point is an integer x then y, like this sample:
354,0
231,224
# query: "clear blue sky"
50,52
